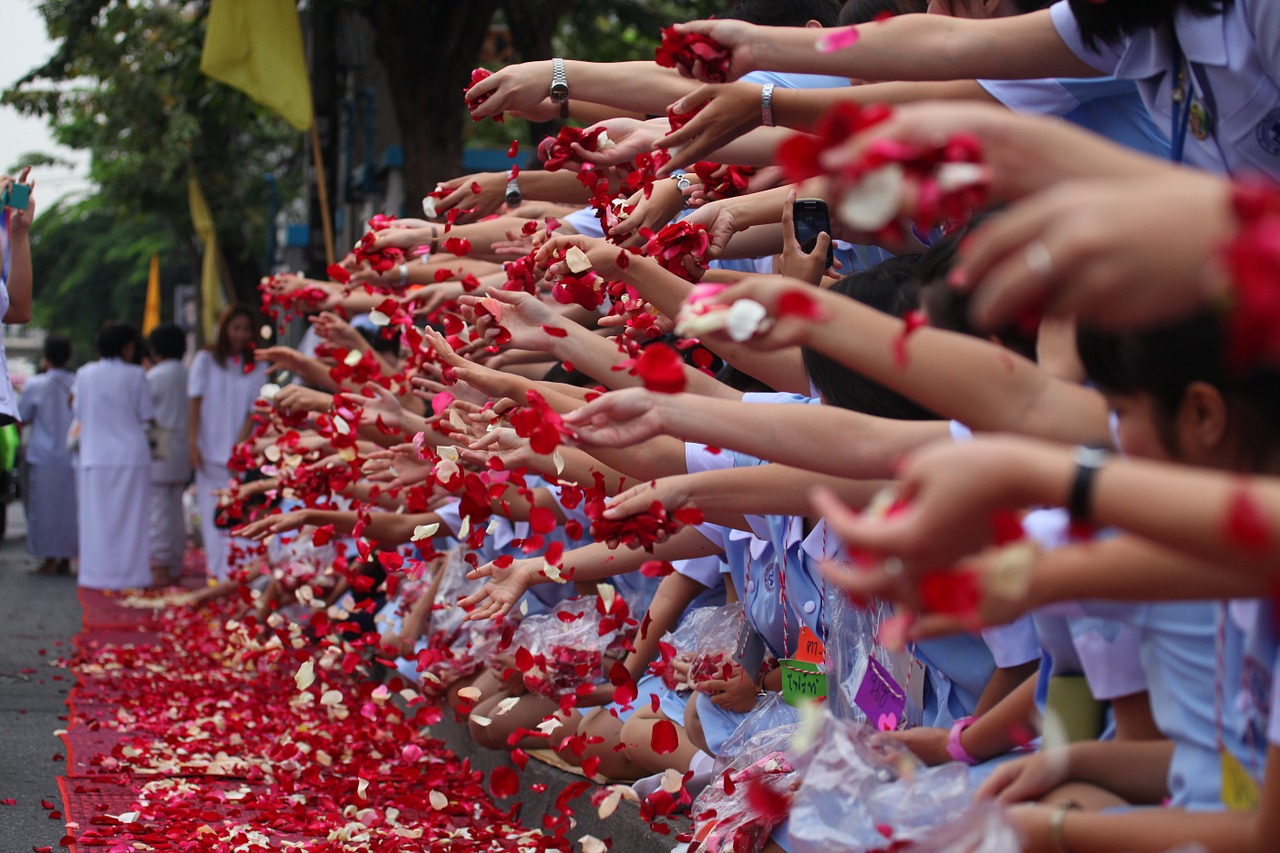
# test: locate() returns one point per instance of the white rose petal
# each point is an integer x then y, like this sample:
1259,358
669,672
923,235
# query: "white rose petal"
956,176
331,697
341,425
424,531
672,781
607,593
429,207
377,318
591,844
353,358
577,260
438,800
472,693
552,572
362,789
268,391
558,461
874,201
306,675
481,721
447,451
506,705
743,319
464,529
603,142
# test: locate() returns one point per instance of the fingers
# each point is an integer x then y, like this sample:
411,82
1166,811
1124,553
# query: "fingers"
880,536
634,500
998,780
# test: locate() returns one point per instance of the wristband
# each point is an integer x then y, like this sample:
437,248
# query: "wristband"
954,747
560,86
1057,828
1088,460
766,105
404,273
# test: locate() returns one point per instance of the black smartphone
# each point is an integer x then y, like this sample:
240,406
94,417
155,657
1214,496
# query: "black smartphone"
810,218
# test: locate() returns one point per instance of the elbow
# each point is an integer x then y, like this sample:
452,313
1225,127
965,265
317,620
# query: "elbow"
18,314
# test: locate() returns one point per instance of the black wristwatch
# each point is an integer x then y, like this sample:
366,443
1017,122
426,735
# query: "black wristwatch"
560,86
1088,461
513,196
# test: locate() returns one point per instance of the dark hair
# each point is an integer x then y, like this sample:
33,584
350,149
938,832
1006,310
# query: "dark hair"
1162,364
221,346
57,350
113,338
893,288
1112,21
168,341
784,13
866,11
948,308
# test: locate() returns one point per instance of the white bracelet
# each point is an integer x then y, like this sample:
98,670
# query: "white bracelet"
766,105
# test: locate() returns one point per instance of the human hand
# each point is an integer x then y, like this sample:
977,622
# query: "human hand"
743,40
1113,254
297,398
672,492
631,137
927,742
664,203
602,255
20,218
194,457
269,526
735,693
378,404
948,494
337,331
721,223
723,113
620,418
399,467
526,318
502,591
1028,778
462,194
519,87
808,266
504,445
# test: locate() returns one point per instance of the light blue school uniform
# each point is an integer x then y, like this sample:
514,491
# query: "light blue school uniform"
1234,63
1249,655
1180,661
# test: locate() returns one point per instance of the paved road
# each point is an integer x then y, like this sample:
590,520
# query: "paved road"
35,613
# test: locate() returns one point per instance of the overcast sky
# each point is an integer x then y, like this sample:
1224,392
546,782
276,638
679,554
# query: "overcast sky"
26,46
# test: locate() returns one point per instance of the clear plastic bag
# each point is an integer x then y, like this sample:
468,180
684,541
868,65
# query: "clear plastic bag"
863,790
858,629
714,652
559,651
752,783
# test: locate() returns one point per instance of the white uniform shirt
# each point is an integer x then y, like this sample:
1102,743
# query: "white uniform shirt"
113,405
1234,55
168,382
46,405
228,395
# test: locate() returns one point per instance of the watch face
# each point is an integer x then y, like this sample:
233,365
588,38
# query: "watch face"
559,91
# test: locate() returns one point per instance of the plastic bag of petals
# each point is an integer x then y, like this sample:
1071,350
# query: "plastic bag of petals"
862,790
752,784
685,643
713,654
455,648
567,650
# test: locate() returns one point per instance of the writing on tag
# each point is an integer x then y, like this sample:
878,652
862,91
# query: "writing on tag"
880,697
802,681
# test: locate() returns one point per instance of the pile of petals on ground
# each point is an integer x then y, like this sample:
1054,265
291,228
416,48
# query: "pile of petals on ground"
203,733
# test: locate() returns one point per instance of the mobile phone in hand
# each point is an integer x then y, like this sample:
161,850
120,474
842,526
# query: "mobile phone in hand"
16,196
810,218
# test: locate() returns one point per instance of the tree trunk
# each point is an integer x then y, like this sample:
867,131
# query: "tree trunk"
428,50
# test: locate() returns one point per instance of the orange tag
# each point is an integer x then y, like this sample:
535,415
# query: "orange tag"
809,647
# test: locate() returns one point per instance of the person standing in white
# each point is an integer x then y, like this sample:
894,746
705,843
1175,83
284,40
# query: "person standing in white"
112,401
45,408
170,474
221,389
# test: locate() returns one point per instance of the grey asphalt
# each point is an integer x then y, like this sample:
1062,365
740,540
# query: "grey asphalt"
37,613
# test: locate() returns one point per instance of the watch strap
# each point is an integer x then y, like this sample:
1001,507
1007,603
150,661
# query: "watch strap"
954,747
766,105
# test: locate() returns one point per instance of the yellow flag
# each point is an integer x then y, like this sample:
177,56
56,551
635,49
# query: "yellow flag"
256,46
211,290
151,313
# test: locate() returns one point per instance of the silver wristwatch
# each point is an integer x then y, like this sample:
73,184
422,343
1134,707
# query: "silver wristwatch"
560,86
513,195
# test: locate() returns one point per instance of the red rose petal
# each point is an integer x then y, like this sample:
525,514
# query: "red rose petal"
665,739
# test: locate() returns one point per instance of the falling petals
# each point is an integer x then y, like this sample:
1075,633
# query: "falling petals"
665,739
837,39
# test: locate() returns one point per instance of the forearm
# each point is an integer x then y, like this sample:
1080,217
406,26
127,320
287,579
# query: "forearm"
662,456
596,562
800,109
968,379
994,732
1125,568
928,47
20,278
771,490
1156,830
798,435
640,86
1135,770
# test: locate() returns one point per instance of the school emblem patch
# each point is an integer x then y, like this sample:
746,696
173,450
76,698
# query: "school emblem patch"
1268,132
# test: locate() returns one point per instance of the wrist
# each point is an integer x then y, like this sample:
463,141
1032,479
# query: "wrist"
955,746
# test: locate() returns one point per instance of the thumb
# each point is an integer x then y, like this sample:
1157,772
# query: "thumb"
821,244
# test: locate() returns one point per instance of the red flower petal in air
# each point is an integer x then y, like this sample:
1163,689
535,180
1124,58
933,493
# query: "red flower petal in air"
661,369
503,782
338,273
953,592
665,739
458,246
554,331
1006,527
514,149
322,535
